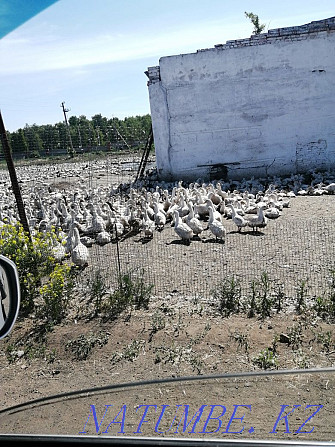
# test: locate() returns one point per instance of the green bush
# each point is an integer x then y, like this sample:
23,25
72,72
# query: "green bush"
39,272
260,300
56,294
132,291
228,296
324,304
97,291
265,300
132,285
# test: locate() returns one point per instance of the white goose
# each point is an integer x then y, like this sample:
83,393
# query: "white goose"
216,214
200,207
182,209
182,229
79,253
219,191
258,221
215,226
160,217
103,238
272,212
98,224
238,220
148,226
193,222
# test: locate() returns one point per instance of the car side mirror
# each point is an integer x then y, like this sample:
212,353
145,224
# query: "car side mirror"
9,295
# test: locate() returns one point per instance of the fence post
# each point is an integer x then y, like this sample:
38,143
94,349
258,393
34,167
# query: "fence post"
117,252
12,174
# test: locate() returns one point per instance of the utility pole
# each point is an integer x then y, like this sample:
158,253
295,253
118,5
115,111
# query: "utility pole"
67,126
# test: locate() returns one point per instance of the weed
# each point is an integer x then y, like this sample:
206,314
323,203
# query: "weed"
196,363
258,27
328,302
241,339
252,302
32,345
82,346
260,300
168,311
131,291
326,339
115,357
228,294
332,289
157,358
157,322
208,327
301,297
275,344
201,336
133,286
97,290
179,324
116,303
131,351
301,360
325,303
295,336
195,300
173,354
30,352
35,352
199,308
265,300
279,298
266,359
12,353
50,356
321,307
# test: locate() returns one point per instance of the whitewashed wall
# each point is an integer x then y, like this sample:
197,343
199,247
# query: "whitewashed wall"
258,106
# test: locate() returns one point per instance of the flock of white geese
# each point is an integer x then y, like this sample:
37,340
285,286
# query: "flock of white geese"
83,216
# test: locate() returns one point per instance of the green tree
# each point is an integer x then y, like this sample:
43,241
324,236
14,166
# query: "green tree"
82,130
18,142
99,121
61,136
258,27
35,142
47,134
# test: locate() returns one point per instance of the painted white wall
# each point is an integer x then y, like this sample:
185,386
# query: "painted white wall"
260,109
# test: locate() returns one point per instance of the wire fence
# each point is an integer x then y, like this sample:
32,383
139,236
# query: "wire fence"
291,251
89,171
294,255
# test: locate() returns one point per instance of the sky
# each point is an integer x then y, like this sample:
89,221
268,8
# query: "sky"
92,54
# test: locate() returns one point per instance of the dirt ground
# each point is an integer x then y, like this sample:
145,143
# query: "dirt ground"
176,336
